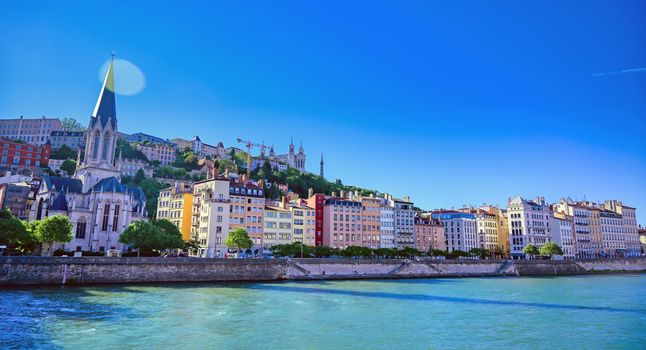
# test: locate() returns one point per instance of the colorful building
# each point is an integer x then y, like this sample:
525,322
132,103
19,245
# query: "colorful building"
303,223
429,234
370,222
175,204
19,156
342,223
317,201
247,208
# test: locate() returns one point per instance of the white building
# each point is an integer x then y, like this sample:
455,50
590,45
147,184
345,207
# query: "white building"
630,228
387,224
562,231
460,230
98,205
582,216
210,222
528,223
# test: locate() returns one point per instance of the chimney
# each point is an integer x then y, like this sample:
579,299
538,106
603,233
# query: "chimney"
372,195
342,194
283,202
333,194
407,198
310,193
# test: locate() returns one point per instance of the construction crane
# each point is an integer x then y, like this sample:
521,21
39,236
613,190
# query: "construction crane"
250,144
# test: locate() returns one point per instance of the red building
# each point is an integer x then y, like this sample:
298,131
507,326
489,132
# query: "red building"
23,156
317,201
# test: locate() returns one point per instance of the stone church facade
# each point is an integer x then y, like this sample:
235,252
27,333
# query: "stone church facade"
99,206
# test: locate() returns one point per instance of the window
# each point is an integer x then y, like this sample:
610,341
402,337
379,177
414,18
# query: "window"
80,228
115,220
106,213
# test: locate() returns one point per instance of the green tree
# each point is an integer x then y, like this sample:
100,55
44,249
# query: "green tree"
28,243
323,252
530,250
480,252
71,124
238,239
143,236
139,176
171,237
436,252
550,249
11,229
408,252
54,229
128,151
192,246
63,153
69,166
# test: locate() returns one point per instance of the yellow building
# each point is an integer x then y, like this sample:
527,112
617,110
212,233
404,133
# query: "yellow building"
303,224
278,227
175,204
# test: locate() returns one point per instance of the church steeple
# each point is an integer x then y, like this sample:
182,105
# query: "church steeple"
105,109
100,145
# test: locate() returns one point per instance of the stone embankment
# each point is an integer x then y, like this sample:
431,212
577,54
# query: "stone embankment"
97,270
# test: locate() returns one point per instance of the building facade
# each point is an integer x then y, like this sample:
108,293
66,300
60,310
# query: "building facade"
278,226
71,139
34,131
165,154
370,222
175,204
582,215
210,220
13,197
19,156
460,230
630,228
562,232
317,201
528,224
404,222
247,209
429,234
342,223
386,224
303,224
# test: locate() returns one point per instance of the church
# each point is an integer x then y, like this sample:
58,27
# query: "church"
99,206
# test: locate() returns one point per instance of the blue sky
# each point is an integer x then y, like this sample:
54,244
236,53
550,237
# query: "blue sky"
452,103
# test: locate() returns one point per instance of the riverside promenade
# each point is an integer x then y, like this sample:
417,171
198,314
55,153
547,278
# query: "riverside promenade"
103,270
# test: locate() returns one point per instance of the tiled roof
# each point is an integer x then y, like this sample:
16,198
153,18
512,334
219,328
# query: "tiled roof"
63,183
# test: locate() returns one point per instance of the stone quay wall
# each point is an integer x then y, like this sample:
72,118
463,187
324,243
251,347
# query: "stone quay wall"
102,270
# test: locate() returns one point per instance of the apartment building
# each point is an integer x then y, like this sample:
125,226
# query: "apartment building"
247,208
278,226
175,204
386,224
35,131
404,222
562,233
370,220
429,234
460,230
528,224
583,243
165,154
19,156
342,223
210,218
303,223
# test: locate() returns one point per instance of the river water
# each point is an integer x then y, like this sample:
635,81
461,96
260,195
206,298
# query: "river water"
581,312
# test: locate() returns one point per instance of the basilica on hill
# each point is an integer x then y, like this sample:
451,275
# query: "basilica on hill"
99,206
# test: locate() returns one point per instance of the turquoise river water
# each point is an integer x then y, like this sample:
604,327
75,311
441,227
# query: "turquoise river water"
581,312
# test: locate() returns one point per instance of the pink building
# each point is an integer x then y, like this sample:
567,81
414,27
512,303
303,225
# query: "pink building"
342,223
429,234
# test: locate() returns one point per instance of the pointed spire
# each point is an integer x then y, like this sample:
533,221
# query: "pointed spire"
105,108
